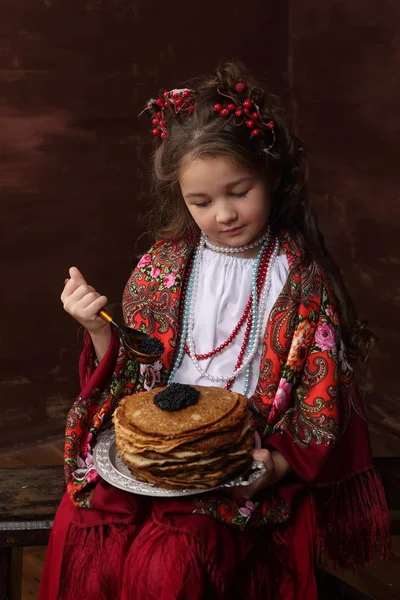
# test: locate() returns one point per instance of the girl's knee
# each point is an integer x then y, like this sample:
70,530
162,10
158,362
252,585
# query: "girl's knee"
164,565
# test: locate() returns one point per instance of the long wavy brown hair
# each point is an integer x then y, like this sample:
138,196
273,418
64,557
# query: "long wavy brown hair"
284,167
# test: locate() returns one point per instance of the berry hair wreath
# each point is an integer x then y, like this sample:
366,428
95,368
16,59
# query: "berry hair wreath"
243,112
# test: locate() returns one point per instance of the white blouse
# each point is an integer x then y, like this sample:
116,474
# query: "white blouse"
222,294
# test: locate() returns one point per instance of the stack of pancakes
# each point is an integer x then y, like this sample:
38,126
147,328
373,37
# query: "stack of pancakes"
198,446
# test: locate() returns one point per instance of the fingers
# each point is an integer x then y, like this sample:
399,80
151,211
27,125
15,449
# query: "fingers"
82,302
75,280
241,494
75,293
91,310
75,274
265,457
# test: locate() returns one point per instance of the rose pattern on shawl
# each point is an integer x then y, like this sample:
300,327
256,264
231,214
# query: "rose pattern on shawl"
313,416
155,272
85,470
281,400
251,516
325,337
247,510
144,261
85,445
169,280
332,314
93,409
344,364
162,266
302,339
151,374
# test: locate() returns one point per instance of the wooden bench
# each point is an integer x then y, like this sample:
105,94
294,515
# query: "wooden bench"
29,497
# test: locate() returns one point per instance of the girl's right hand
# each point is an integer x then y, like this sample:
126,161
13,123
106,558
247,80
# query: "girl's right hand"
82,302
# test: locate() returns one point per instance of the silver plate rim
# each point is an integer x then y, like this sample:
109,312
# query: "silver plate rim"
112,469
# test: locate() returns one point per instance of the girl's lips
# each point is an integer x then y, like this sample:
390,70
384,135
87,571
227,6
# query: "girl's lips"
232,231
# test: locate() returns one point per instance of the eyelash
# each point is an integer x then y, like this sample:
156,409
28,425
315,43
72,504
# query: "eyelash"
239,195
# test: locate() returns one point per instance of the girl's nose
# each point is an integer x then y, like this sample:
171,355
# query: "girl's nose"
226,214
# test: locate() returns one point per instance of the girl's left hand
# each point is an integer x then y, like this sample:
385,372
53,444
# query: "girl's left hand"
240,494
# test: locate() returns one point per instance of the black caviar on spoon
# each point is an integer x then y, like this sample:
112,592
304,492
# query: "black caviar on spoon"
144,348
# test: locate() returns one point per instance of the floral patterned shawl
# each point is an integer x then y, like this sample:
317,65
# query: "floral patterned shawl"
306,405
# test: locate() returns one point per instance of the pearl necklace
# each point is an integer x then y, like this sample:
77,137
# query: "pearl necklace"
189,335
237,249
258,311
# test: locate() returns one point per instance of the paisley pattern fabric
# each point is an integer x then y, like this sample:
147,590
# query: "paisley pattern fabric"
306,404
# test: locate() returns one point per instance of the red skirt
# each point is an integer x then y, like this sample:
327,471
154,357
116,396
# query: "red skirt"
130,547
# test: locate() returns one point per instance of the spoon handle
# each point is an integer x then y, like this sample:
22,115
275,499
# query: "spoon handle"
130,338
108,318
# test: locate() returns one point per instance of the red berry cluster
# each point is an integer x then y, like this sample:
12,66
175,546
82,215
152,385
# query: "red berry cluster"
176,101
244,112
247,110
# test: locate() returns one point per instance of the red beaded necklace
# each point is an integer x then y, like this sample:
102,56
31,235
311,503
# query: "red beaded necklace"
247,313
261,275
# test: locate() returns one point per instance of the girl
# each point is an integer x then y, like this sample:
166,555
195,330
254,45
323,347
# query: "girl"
243,293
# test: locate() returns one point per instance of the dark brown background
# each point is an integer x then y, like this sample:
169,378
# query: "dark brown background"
74,75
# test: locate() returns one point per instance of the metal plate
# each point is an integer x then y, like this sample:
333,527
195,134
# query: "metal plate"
112,469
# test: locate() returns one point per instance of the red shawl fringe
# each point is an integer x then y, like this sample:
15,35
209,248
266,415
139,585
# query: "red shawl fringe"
183,568
168,563
353,520
160,563
93,560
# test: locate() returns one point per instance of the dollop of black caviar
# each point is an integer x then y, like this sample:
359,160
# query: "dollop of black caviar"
176,396
150,346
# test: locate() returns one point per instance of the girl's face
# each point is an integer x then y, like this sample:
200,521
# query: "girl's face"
226,200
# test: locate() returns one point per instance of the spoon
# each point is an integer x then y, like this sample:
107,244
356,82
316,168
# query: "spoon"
132,339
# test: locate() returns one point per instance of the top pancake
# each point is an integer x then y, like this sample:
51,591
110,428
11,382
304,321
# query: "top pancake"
214,405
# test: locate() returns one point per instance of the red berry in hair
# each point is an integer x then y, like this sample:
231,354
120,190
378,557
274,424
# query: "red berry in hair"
164,134
238,112
224,112
190,110
250,124
160,102
186,93
255,132
217,107
231,107
155,121
162,123
270,124
159,114
240,87
178,101
248,103
246,110
156,131
166,94
255,115
175,94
